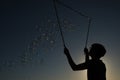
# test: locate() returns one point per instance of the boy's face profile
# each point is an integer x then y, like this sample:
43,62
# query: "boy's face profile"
92,52
97,51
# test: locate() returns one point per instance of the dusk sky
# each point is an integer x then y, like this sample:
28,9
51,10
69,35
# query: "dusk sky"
30,42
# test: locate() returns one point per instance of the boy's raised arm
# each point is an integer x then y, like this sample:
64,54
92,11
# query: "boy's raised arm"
72,63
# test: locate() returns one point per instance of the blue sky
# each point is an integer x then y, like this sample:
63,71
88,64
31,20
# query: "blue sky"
22,22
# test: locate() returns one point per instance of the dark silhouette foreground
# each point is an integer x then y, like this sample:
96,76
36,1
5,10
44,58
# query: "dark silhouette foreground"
96,69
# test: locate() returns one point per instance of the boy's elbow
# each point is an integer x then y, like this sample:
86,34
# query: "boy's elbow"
77,67
74,68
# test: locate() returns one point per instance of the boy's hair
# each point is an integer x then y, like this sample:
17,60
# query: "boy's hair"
99,50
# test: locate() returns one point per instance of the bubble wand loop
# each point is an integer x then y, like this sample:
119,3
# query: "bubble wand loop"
89,20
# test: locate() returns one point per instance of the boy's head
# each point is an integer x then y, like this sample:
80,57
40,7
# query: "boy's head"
97,50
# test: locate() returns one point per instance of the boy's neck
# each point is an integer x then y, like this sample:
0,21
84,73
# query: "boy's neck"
95,59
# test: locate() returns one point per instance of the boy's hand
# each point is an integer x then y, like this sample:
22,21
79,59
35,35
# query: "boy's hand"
86,51
66,51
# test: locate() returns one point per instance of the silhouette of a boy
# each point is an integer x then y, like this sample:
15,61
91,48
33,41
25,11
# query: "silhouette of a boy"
96,69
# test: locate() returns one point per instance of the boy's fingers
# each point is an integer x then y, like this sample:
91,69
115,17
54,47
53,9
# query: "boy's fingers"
85,50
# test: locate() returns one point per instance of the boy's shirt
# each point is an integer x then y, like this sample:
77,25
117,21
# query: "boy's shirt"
96,70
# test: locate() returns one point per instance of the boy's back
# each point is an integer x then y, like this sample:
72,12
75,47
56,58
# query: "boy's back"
96,70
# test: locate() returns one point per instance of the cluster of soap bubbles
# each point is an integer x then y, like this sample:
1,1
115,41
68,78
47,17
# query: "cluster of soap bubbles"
46,38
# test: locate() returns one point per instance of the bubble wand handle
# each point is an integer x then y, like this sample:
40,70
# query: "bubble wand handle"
88,30
58,20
